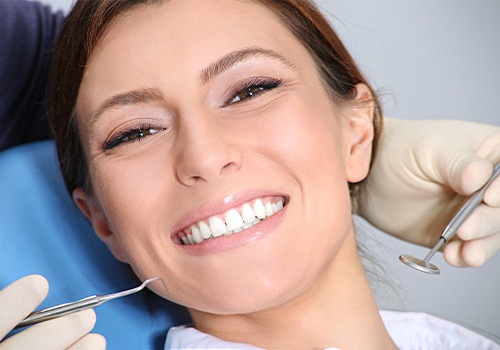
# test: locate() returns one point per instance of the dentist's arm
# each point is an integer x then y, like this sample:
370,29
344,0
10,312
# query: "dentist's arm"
422,173
21,297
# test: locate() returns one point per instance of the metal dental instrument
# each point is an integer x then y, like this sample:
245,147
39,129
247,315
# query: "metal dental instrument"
79,305
474,200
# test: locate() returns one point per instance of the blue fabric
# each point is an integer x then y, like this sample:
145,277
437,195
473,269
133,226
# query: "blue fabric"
42,232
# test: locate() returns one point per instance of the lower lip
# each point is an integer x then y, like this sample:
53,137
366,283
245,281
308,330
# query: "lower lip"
236,240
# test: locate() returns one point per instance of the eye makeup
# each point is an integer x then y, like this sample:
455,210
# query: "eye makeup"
132,134
250,89
243,92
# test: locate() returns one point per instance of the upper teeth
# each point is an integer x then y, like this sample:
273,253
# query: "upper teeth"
235,221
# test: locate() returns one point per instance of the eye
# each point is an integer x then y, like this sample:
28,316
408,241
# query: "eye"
131,135
253,88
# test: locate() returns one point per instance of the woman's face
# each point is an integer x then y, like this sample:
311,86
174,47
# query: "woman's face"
196,114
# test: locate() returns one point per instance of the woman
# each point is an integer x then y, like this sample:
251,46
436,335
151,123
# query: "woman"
442,163
224,163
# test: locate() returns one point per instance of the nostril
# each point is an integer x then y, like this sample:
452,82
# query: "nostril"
196,178
228,168
196,167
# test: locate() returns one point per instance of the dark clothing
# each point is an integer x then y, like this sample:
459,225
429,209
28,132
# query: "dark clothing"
27,33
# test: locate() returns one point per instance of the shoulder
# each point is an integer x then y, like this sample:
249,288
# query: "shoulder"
20,16
28,32
412,330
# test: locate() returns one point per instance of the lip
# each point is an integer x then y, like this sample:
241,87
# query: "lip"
220,206
224,243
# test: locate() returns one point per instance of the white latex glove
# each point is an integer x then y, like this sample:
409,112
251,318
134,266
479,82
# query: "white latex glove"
419,179
20,298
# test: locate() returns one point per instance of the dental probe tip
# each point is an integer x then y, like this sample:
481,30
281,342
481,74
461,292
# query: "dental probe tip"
155,279
148,281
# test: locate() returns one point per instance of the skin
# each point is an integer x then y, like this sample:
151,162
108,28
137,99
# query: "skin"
292,281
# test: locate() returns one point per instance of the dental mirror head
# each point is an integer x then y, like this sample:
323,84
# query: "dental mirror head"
419,264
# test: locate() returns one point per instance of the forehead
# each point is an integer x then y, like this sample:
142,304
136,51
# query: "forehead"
167,45
192,28
186,33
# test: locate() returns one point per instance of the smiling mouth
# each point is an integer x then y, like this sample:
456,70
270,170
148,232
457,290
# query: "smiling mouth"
235,220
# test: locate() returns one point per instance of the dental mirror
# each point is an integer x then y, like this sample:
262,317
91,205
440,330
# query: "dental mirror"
474,200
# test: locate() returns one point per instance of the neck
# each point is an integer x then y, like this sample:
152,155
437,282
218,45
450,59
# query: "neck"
337,311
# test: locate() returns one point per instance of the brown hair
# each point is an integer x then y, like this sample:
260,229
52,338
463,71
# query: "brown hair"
88,21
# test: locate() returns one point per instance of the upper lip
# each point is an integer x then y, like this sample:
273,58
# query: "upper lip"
220,206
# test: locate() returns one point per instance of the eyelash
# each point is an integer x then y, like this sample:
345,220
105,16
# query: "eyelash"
253,88
249,90
130,135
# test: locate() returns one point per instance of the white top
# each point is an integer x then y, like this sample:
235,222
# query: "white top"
409,330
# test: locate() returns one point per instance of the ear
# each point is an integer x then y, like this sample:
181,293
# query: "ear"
94,213
360,116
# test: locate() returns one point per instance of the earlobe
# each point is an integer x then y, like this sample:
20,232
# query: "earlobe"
362,133
94,213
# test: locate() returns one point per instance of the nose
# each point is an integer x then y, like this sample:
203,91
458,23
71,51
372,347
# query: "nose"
207,153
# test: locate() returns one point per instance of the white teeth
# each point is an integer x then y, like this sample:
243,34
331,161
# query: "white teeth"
269,209
279,205
235,222
250,224
217,226
247,213
275,207
233,219
259,210
195,231
205,230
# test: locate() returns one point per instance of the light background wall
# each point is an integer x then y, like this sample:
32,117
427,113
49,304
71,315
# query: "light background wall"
430,59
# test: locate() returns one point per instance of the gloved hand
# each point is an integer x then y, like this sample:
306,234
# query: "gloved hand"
419,179
21,297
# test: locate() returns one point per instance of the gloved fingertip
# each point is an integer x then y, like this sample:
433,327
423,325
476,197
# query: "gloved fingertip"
474,254
86,319
492,195
98,341
453,254
40,283
36,285
92,341
475,172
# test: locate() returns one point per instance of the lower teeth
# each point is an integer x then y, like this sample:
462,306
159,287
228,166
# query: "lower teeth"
186,241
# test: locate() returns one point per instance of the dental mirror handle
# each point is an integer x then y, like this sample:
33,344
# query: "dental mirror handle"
464,212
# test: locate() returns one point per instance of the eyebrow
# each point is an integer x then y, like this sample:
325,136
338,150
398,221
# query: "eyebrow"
128,98
233,58
228,61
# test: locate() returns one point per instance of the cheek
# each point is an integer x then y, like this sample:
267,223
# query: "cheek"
133,200
307,135
130,191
